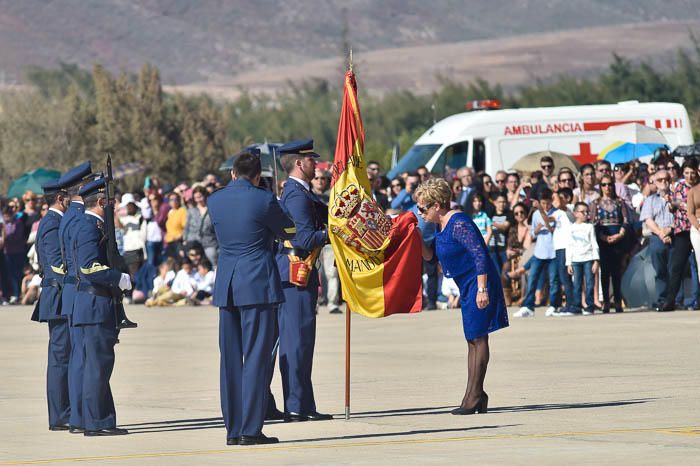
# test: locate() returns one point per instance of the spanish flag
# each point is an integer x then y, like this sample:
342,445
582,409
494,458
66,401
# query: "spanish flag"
378,258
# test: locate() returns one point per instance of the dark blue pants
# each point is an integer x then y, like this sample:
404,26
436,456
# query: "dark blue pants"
245,344
76,367
660,254
611,256
98,351
57,372
12,271
564,279
297,326
499,257
581,270
154,251
537,268
430,268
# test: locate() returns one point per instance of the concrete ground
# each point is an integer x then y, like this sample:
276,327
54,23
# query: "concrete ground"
581,390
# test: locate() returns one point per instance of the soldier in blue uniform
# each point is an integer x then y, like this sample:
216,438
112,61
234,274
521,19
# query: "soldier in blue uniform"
95,311
247,290
48,308
72,181
297,315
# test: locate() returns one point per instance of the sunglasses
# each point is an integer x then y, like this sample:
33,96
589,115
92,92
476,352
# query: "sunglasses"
500,181
422,209
566,180
603,185
665,180
395,185
519,212
546,166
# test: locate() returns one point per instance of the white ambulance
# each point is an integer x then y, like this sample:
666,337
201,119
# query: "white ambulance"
494,139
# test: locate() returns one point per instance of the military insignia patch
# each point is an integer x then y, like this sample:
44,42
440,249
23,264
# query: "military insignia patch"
365,227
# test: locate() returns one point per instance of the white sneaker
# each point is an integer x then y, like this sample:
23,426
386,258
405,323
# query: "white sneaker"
551,311
587,312
524,312
564,312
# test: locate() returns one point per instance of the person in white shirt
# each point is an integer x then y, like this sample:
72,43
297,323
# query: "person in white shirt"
134,229
184,283
204,282
582,258
562,216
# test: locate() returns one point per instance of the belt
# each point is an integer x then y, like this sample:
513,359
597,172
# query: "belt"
97,291
51,282
70,280
300,253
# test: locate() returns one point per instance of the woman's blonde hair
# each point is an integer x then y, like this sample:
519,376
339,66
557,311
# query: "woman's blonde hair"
434,191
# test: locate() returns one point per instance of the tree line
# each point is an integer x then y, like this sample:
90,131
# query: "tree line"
72,114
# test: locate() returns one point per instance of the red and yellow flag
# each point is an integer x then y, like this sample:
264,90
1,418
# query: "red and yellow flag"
378,258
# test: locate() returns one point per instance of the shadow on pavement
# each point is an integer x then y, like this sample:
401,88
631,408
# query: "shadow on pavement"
397,434
501,409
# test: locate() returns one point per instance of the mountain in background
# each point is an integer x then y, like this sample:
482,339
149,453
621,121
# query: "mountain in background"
216,41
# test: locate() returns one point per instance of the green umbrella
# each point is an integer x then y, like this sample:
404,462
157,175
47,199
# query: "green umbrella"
32,181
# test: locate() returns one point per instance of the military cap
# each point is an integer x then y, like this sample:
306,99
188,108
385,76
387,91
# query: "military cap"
95,186
76,174
303,147
52,187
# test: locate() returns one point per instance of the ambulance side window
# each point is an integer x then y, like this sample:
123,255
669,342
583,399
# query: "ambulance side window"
454,157
479,156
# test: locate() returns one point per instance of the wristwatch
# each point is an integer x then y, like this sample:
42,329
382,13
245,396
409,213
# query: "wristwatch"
482,290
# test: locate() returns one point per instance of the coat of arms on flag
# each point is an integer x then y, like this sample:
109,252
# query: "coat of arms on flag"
361,223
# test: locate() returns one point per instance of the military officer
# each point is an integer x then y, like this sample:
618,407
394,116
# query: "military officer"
72,181
297,315
48,308
247,290
95,311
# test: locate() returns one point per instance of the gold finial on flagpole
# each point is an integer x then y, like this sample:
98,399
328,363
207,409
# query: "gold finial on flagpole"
350,60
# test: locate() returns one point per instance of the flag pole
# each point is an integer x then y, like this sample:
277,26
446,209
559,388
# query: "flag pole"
347,328
347,362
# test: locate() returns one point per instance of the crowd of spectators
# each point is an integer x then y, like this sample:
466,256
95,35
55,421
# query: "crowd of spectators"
561,238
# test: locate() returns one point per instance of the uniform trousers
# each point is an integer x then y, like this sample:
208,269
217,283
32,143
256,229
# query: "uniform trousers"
245,343
76,367
57,372
297,328
98,353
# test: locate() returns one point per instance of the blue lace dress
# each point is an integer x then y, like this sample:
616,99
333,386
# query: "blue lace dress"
464,255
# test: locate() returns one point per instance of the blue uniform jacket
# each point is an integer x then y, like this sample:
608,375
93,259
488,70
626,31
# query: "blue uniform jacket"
66,232
247,219
48,249
90,248
310,215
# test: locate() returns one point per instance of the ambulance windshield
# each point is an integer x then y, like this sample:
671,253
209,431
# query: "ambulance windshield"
416,156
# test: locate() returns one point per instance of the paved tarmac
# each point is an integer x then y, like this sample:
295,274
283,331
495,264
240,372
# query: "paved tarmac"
619,388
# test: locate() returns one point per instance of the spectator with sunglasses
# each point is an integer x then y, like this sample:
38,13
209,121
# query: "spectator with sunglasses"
587,192
397,185
680,245
611,223
547,167
658,219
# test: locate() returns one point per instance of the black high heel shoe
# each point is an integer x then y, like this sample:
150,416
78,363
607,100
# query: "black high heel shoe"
481,406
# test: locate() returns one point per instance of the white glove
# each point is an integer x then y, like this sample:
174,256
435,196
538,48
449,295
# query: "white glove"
125,282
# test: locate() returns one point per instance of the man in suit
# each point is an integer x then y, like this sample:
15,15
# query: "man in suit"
95,311
247,291
72,181
297,315
48,308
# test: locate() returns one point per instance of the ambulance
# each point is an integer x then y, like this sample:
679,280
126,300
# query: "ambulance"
489,138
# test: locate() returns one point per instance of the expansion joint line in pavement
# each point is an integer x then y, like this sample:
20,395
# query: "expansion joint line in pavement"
682,430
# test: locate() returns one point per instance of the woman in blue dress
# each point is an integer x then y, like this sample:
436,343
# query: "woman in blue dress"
464,256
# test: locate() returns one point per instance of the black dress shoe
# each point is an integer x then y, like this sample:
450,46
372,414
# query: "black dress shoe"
294,417
618,308
606,308
76,430
666,308
59,427
274,415
319,416
257,440
232,441
105,432
126,323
